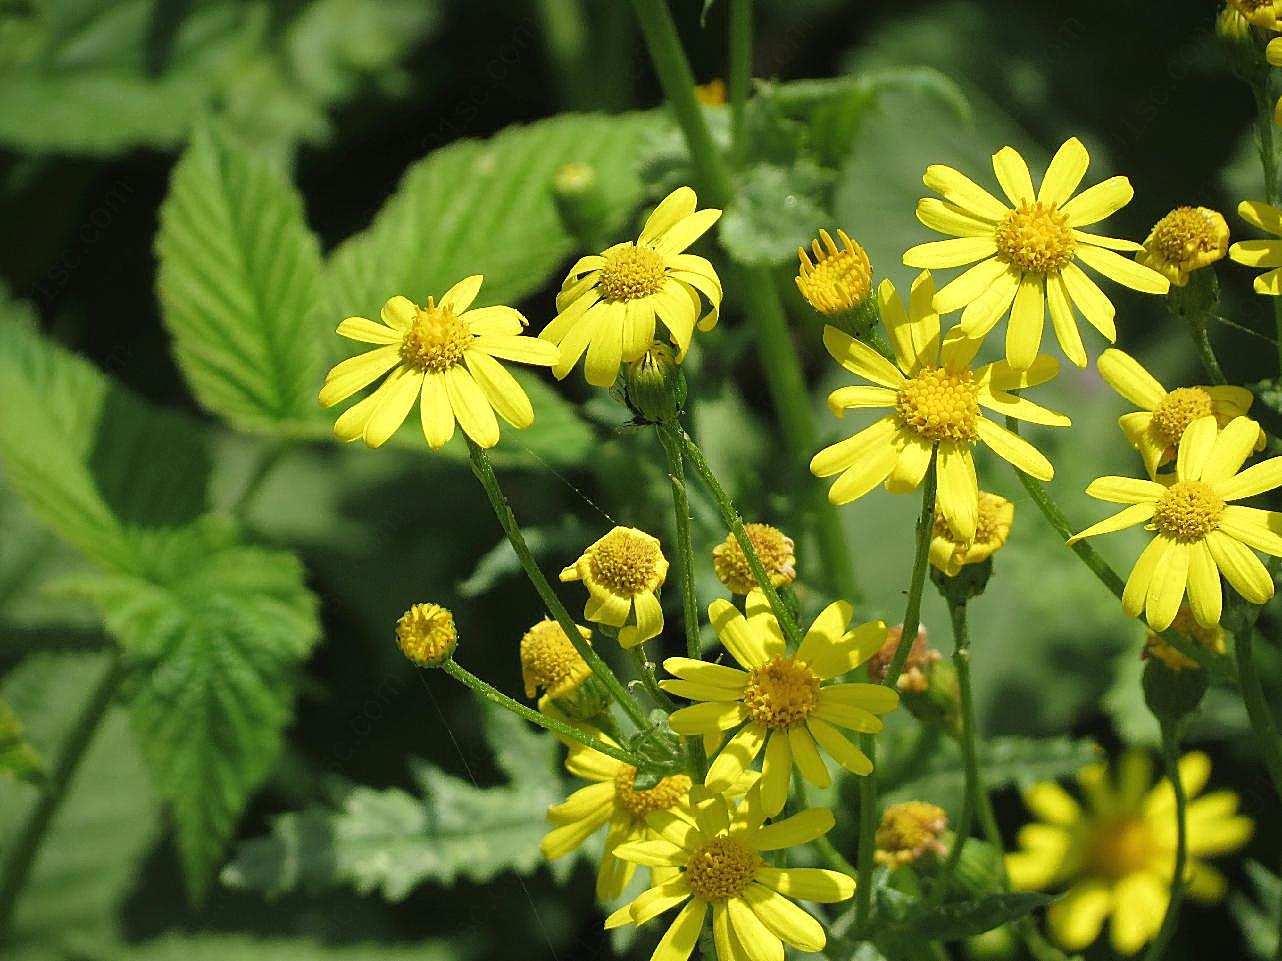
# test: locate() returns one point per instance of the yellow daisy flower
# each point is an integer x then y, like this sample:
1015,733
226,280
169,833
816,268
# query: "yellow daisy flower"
950,554
1260,13
426,634
720,866
936,400
1273,54
1185,240
1261,253
1155,431
909,832
780,699
444,355
549,661
775,549
1116,856
610,300
623,572
839,279
1200,535
1027,251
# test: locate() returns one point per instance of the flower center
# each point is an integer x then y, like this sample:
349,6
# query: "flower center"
658,798
1036,239
1186,232
723,868
940,404
549,661
1188,511
839,279
426,634
908,832
987,528
631,273
775,550
625,563
436,340
781,693
1178,409
1119,847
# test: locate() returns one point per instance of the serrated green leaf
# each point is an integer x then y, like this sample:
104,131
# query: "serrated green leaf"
237,947
949,922
88,456
238,282
775,211
484,207
18,759
220,629
391,841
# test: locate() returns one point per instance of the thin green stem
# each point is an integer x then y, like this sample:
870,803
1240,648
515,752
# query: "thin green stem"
1269,162
54,788
1210,363
565,37
484,472
267,459
670,438
732,520
1171,755
867,837
822,845
961,661
645,671
492,694
1257,708
1218,666
740,76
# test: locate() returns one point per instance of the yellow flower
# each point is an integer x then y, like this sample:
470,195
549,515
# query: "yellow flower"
1156,430
773,548
914,677
610,799
549,660
1260,13
426,635
1200,535
720,866
781,699
712,93
1117,855
1261,253
839,279
1186,239
949,553
610,300
1026,252
1273,53
447,355
936,400
1211,638
623,571
908,832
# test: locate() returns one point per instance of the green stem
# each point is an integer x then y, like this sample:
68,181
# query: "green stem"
1210,363
484,472
961,661
1086,552
1269,163
492,694
54,788
1257,707
645,671
565,37
740,76
830,854
732,520
1171,755
669,437
268,457
912,620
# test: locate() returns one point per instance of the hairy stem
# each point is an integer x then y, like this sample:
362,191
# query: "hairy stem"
1257,707
1171,755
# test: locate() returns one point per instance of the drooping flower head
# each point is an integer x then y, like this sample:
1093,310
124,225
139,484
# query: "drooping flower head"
935,400
443,355
839,279
1155,431
909,832
1261,253
1211,638
426,635
1116,854
921,661
623,572
1185,240
773,548
549,661
610,301
1028,251
949,553
1199,533
720,867
785,702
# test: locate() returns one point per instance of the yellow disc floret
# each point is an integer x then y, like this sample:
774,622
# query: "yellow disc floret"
839,279
627,561
773,548
781,692
1211,638
909,832
940,404
1188,511
549,661
426,635
1035,239
1118,847
631,273
1186,239
436,340
1178,409
723,868
638,804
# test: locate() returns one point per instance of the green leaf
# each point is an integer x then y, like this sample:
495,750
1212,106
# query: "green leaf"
484,207
220,629
18,759
1259,917
239,947
87,455
391,841
949,922
774,212
238,284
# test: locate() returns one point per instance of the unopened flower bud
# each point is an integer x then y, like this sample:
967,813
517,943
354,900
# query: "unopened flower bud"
426,635
1185,240
654,387
838,280
909,832
773,548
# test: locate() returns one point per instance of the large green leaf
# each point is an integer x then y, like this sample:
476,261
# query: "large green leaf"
392,841
220,629
237,284
963,919
485,207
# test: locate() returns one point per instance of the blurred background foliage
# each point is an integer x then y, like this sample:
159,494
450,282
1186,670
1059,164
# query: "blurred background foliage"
319,175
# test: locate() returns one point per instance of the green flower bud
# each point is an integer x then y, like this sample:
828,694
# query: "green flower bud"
654,387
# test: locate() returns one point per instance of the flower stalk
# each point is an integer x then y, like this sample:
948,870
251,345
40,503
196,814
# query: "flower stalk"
1171,758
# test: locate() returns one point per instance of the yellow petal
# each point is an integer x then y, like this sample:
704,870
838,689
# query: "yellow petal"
808,884
686,231
1135,514
673,208
1012,173
1053,804
1195,448
969,286
679,941
1075,919
435,412
1064,321
1166,590
1027,316
1256,528
1233,445
859,358
1256,479
1240,567
357,372
740,751
1065,173
1095,203
950,253
501,390
473,411
776,773
839,747
948,219
756,940
709,716
399,312
964,193
1129,273
784,919
1137,584
1015,450
525,350
715,675
1205,598
982,314
1261,215
368,332
806,756
825,631
660,898
1125,375
1257,253
1139,904
605,352
743,642
910,466
801,828
459,297
1090,300
403,388
1125,490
